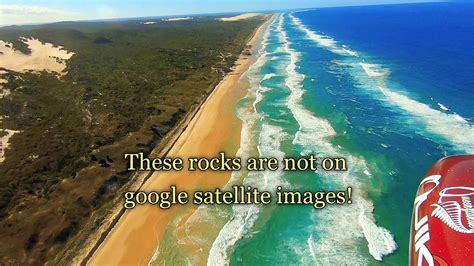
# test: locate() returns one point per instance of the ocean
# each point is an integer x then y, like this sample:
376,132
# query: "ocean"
390,88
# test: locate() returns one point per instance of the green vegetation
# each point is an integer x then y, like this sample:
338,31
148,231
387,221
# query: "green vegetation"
126,87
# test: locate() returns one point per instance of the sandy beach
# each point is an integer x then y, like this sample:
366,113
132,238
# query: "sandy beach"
214,128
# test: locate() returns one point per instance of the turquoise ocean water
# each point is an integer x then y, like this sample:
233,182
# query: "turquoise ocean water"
388,87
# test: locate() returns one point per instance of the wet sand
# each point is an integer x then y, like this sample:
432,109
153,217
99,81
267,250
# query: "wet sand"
215,128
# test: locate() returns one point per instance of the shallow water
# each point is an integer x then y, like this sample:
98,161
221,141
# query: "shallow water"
376,85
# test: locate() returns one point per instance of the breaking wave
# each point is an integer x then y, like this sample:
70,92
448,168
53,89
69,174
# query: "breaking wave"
314,134
448,125
322,40
269,139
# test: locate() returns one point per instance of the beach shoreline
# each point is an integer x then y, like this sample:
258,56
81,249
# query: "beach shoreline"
210,128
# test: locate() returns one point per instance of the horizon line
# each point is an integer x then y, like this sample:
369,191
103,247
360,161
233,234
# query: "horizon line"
271,11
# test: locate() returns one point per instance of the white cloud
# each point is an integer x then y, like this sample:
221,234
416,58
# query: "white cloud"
22,14
29,10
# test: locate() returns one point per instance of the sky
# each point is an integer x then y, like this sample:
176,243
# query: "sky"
34,11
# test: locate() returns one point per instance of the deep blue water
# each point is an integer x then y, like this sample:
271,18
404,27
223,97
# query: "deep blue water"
421,51
429,46
390,88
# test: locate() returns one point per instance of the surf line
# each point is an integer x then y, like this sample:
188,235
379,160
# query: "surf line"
163,152
176,134
435,120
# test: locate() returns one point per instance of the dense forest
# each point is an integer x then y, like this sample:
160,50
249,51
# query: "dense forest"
127,85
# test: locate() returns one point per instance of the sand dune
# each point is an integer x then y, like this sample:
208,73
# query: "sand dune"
43,56
240,17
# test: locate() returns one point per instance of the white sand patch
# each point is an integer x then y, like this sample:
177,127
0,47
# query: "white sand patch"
4,142
4,93
240,17
44,56
177,19
2,80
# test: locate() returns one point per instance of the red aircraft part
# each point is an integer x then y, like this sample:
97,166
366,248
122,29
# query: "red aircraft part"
442,229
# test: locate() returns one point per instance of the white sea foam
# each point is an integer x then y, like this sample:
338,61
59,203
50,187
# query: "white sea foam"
322,40
451,126
314,132
154,258
312,248
243,219
443,107
244,216
259,95
385,145
373,70
269,76
381,239
350,52
308,123
459,118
